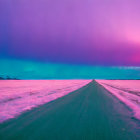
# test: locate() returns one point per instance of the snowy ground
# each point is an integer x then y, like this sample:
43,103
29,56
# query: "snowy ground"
17,96
128,91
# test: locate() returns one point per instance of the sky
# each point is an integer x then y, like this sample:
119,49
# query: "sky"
25,69
104,33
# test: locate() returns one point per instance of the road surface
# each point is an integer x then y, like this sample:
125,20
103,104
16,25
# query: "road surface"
89,113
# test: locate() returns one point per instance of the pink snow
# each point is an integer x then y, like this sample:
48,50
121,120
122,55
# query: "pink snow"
17,96
128,91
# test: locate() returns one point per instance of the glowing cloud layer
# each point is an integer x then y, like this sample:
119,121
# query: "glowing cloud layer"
96,32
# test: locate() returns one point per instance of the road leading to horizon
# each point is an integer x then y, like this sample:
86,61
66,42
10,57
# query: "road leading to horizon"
89,113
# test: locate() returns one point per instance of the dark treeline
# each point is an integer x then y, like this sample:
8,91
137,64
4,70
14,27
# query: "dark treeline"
7,78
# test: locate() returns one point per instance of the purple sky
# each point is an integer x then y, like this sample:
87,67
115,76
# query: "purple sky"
96,32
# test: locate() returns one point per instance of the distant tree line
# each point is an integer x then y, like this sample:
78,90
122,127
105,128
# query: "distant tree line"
7,78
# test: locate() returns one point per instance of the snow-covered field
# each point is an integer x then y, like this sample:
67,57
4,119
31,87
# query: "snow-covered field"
128,91
17,96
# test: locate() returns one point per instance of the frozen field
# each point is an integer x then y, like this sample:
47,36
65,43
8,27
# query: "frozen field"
17,96
128,91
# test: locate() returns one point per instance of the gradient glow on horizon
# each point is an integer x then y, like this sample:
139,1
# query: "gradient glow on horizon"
95,32
24,69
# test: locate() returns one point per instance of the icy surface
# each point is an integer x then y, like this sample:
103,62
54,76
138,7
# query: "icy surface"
128,91
17,96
